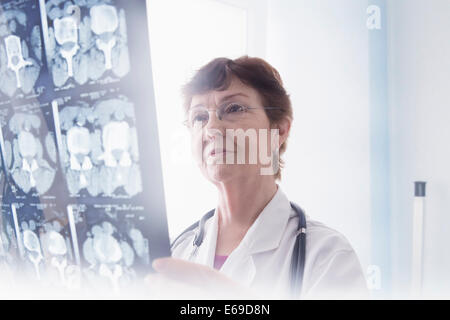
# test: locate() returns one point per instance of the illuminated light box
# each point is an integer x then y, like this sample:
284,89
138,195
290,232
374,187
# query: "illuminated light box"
82,192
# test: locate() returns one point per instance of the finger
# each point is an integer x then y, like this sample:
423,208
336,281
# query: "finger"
182,270
202,277
175,266
195,274
163,287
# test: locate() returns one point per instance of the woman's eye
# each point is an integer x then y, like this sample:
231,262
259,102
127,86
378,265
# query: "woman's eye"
234,108
199,118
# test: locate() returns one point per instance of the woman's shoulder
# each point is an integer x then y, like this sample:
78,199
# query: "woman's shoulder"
323,243
331,263
324,233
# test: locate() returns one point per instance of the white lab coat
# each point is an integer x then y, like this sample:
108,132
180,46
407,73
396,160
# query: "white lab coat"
262,260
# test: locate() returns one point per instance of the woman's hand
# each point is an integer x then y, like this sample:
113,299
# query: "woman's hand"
176,278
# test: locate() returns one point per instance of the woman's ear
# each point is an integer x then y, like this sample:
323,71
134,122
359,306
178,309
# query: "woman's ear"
284,127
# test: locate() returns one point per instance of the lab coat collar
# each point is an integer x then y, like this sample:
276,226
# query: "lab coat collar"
264,234
267,231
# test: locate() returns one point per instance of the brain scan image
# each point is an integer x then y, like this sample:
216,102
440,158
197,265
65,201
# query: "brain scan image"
2,177
57,250
109,256
140,244
44,244
79,150
25,153
120,155
8,242
86,41
113,247
9,254
20,49
32,246
4,245
100,153
27,222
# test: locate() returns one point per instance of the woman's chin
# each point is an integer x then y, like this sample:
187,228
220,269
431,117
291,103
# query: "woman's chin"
221,172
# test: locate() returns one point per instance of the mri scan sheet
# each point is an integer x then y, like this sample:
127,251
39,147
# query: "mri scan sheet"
82,202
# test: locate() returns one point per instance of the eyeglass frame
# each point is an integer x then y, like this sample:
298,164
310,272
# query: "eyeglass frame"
186,122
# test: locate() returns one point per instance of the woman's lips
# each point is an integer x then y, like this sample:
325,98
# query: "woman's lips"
214,153
217,152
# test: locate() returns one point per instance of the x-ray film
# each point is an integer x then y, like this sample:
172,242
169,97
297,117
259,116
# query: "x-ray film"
82,194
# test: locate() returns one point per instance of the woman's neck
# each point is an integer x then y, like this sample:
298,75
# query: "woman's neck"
240,203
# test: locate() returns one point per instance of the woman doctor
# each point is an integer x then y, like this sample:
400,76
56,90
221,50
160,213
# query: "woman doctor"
248,242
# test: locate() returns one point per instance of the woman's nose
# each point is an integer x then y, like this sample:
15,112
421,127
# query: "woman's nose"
214,125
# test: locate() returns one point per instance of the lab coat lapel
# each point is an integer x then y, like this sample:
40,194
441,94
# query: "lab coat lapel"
265,234
240,266
268,229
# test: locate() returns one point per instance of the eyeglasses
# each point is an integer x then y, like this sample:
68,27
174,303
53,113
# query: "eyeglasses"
198,117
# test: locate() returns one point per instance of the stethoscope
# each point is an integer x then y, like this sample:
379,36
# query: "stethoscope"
298,254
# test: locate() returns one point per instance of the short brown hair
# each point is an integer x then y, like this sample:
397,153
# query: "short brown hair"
254,72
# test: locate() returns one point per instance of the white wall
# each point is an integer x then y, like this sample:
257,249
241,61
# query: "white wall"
321,50
185,35
327,163
419,77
